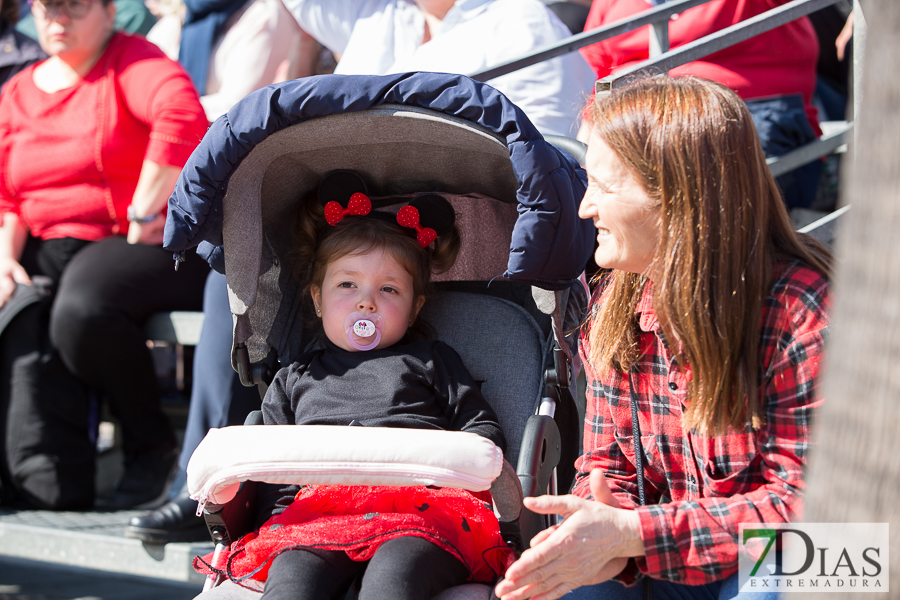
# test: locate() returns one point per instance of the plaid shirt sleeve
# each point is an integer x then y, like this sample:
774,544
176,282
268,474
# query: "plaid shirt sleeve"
710,486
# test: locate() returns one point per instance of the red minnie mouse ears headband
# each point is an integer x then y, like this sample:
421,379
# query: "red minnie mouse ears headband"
343,193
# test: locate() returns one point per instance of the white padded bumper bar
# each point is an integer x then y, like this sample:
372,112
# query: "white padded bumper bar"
318,454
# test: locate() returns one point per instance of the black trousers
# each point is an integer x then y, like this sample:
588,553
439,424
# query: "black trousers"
105,294
406,568
84,333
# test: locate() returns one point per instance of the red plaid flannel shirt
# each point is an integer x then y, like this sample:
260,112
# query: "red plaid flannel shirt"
699,489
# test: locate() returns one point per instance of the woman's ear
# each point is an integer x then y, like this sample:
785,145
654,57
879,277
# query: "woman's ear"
111,10
316,293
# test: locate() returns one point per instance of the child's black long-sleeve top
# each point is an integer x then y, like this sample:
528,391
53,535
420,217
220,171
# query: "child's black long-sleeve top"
420,385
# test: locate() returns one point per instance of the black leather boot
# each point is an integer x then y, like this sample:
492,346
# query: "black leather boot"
175,521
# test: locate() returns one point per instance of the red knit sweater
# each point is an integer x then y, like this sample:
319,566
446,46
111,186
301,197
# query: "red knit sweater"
70,160
779,62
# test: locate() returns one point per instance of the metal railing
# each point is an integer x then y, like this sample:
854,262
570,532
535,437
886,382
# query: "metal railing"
833,140
740,32
657,17
662,59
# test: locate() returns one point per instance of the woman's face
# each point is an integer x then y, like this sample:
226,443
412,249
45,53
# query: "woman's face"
75,40
367,283
625,218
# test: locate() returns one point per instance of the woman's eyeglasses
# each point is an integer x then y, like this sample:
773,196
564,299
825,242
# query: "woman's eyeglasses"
75,9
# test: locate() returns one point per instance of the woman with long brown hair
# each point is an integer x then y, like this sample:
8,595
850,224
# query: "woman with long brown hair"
702,353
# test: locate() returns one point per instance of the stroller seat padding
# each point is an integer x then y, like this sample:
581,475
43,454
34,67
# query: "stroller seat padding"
502,347
320,454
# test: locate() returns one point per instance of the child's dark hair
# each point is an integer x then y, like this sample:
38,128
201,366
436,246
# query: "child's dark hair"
320,244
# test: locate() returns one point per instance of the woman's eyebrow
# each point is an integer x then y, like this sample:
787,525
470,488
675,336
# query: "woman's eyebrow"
600,184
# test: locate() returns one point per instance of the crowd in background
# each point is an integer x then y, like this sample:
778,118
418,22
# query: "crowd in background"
97,118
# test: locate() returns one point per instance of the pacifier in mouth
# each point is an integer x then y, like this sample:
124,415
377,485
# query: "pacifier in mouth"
363,331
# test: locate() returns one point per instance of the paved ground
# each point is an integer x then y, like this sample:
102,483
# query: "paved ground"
30,580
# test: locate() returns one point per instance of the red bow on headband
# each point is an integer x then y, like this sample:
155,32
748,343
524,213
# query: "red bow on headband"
358,205
408,216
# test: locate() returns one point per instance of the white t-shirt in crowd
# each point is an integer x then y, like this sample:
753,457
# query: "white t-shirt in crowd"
244,57
381,37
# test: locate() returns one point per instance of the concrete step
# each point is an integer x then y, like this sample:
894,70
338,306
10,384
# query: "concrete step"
95,540
30,580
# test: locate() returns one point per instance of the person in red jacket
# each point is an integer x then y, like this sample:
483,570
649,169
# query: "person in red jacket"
91,143
773,72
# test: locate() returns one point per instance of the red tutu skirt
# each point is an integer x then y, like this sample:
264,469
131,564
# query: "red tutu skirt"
358,519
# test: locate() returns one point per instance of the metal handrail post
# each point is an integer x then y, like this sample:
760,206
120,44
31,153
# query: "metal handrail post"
659,38
717,41
661,13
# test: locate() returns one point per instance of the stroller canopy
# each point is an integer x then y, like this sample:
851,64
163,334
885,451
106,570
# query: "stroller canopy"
240,186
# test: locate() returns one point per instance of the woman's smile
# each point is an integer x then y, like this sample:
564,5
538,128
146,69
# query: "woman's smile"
623,214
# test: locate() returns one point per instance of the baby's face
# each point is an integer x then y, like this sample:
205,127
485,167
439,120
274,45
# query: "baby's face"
367,283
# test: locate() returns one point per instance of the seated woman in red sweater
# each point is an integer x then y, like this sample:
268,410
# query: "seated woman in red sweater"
773,72
91,143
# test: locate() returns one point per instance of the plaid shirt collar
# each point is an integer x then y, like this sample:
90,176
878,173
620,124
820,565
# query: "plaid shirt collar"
645,312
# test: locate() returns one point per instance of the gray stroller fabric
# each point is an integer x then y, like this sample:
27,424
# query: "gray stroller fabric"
507,494
504,350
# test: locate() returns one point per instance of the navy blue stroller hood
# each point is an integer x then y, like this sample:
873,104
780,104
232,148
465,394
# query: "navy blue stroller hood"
294,131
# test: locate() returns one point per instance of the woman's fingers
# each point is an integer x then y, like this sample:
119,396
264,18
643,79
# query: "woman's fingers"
521,590
600,489
548,588
134,233
526,570
844,37
559,577
578,565
7,287
11,269
584,549
558,591
542,535
554,505
146,233
521,593
11,273
563,550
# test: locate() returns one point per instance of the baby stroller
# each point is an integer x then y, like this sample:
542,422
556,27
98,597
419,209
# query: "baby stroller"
509,306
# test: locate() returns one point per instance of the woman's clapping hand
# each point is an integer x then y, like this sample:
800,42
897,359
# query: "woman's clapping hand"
590,546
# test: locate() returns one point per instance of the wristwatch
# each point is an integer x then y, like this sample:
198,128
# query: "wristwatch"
133,218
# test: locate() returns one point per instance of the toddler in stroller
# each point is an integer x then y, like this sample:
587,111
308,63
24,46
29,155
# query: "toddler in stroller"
515,197
367,278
